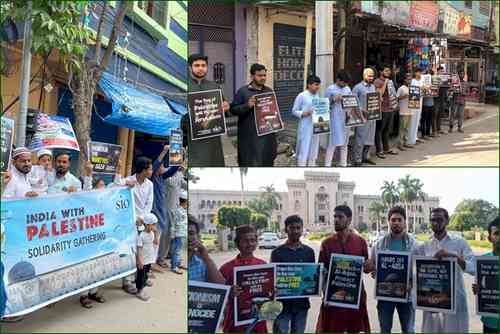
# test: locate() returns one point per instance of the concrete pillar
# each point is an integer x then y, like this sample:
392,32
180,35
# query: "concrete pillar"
252,41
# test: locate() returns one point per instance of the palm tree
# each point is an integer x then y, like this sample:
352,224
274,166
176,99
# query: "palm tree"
272,199
243,173
390,194
377,211
411,190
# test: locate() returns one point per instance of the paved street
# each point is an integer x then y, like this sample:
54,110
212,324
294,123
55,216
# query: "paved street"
477,146
475,323
164,312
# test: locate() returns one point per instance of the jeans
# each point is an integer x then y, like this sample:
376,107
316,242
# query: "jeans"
142,276
295,319
384,126
386,314
164,243
404,123
436,120
426,121
457,115
176,246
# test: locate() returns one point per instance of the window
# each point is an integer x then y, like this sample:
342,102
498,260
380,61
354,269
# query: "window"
202,204
157,10
468,4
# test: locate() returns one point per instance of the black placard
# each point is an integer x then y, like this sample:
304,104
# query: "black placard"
488,296
414,97
206,303
373,111
206,114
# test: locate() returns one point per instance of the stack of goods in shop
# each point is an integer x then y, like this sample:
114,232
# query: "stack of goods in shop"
418,54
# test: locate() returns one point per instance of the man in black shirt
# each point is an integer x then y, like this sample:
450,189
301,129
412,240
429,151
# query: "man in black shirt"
294,316
204,152
253,150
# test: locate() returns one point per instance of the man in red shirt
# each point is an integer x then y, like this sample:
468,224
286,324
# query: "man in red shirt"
344,241
246,242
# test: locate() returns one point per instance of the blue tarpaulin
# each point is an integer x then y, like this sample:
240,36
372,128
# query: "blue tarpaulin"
178,108
137,109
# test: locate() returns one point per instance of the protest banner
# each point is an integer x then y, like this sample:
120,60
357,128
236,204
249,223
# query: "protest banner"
373,111
60,245
321,115
206,115
393,276
175,151
206,303
256,282
344,281
435,284
104,157
435,83
7,138
488,297
295,280
53,132
414,97
426,85
354,116
267,114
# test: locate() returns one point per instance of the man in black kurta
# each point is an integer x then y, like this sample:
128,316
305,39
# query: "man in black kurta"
253,150
205,152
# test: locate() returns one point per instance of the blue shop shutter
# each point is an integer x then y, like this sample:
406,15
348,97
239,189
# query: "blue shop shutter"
137,109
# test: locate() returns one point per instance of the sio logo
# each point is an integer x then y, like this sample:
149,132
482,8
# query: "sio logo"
122,203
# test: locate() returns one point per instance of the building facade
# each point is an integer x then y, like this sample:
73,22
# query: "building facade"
313,198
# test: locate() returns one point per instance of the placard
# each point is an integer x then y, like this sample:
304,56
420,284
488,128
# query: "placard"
373,111
354,116
206,304
321,115
344,281
206,114
267,114
435,83
104,157
67,244
444,79
455,83
435,284
175,150
393,276
488,297
7,138
294,280
53,132
255,281
426,85
414,97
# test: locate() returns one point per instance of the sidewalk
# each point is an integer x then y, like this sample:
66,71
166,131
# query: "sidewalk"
165,312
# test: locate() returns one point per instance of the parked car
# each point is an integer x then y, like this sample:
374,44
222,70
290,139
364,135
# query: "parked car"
269,240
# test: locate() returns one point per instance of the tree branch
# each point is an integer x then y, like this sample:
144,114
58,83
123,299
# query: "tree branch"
98,38
124,8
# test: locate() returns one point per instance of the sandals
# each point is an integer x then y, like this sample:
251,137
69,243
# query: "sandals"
86,302
177,271
97,298
391,152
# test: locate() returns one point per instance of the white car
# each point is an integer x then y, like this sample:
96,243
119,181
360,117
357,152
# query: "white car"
269,240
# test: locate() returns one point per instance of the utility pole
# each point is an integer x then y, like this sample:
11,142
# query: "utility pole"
307,53
324,48
25,80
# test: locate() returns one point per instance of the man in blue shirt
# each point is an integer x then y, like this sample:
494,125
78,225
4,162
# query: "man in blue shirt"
400,241
200,266
294,315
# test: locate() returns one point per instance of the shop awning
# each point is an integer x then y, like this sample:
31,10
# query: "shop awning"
137,109
177,107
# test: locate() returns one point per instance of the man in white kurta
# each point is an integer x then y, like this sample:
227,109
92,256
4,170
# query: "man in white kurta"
416,113
442,245
19,185
339,134
307,142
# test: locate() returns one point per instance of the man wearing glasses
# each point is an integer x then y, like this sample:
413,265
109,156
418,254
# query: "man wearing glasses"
442,245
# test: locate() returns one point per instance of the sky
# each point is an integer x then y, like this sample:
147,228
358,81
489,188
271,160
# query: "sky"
451,185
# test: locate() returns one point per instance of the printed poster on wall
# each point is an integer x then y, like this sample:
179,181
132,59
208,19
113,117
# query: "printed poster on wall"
295,280
434,280
206,304
354,116
255,281
373,111
61,245
53,132
321,115
414,97
488,296
344,281
267,114
7,138
424,15
393,276
175,150
206,114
